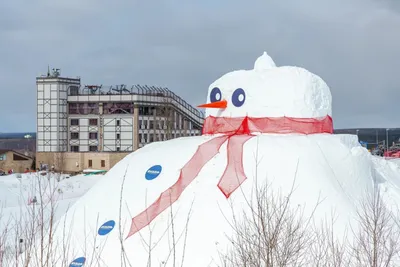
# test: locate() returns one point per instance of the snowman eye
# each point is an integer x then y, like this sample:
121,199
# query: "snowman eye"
215,95
238,97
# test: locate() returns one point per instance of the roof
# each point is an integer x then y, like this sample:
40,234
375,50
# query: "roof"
3,151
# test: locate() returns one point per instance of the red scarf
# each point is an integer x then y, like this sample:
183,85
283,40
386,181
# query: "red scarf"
236,131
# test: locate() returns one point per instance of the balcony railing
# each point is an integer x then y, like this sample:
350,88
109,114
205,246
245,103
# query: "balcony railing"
147,93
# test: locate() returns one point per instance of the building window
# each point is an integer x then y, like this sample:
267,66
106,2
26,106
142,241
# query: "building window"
118,123
92,135
93,148
118,136
90,163
118,108
73,90
103,163
2,157
144,111
74,148
18,158
74,135
93,122
118,148
74,122
83,108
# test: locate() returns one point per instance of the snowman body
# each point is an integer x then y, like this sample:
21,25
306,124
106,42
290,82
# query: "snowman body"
172,203
196,228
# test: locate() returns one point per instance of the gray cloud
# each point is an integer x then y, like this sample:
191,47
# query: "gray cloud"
353,45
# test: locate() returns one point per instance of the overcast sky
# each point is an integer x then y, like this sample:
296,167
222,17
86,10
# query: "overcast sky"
354,45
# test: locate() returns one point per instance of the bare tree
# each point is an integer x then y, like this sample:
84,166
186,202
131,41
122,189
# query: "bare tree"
376,242
273,234
328,249
59,161
59,164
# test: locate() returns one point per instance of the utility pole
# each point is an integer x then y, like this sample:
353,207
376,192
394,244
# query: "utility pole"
387,139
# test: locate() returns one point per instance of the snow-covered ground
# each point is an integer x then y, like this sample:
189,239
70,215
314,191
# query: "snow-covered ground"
18,190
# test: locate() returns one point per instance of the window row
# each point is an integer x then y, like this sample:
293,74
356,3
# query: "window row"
93,108
91,149
150,137
116,108
75,122
92,122
144,124
92,136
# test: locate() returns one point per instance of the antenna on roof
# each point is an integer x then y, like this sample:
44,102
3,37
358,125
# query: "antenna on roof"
56,73
48,70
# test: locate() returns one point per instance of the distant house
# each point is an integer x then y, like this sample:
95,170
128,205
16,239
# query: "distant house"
12,160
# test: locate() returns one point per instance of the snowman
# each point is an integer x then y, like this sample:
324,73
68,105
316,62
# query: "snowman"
170,203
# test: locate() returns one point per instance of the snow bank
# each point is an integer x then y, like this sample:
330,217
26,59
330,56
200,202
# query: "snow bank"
17,193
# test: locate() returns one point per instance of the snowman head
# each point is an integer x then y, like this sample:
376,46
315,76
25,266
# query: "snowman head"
269,91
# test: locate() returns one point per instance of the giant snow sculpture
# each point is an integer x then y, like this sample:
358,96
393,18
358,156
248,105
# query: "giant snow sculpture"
170,203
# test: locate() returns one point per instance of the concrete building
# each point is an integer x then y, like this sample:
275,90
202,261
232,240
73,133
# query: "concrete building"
101,121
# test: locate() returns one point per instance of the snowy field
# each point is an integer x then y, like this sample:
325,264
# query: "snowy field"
16,191
58,192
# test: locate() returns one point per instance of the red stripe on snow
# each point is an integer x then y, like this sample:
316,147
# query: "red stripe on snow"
280,125
204,153
234,174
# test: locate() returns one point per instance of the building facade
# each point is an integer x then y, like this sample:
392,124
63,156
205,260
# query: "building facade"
74,118
13,160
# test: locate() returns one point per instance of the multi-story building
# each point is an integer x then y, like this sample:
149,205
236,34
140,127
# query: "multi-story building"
89,119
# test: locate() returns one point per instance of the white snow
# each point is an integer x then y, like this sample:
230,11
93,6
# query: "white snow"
274,92
17,190
333,169
265,62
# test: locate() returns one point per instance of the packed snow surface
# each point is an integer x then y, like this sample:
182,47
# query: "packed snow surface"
332,170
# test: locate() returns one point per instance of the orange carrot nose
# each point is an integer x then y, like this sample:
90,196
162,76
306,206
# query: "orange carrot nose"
217,104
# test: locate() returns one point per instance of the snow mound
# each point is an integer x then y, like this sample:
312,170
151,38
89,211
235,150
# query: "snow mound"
333,169
16,195
272,91
172,203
